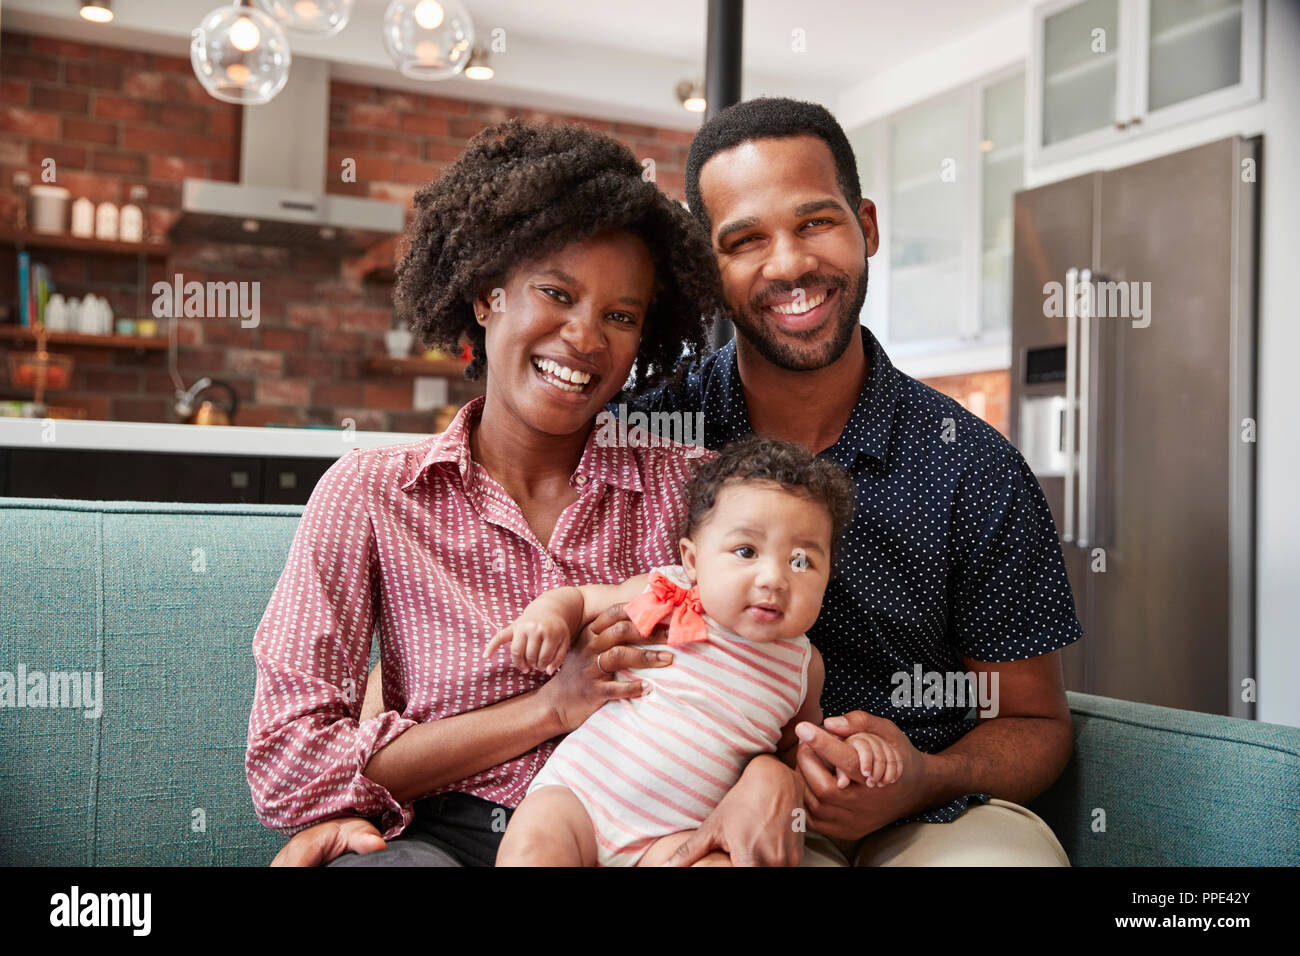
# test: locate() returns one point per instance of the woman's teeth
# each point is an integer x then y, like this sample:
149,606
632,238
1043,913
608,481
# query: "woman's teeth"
798,307
561,376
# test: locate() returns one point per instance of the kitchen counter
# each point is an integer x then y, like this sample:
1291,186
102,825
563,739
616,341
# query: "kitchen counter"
193,439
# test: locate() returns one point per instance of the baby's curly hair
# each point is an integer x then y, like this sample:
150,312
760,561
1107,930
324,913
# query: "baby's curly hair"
768,459
522,190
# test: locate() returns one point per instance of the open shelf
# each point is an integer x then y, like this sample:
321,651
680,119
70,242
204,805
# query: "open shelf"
24,333
153,249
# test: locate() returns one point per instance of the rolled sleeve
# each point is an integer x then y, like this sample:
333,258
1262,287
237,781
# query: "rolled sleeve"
307,747
1011,597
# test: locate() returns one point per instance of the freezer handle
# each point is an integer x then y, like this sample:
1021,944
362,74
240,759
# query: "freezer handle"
1084,534
1071,347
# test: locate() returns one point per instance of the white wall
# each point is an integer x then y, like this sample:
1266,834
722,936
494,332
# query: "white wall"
1277,118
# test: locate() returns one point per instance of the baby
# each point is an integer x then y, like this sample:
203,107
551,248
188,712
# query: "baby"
631,783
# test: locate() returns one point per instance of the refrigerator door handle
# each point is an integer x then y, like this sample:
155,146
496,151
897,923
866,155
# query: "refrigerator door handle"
1085,531
1071,348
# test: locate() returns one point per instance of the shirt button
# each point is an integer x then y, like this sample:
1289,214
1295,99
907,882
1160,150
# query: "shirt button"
548,563
579,479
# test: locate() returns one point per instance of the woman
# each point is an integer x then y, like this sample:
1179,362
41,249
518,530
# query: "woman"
567,272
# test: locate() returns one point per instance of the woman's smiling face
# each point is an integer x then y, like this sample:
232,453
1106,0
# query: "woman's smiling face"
567,331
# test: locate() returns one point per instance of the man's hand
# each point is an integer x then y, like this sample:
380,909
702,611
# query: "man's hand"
754,822
328,840
852,811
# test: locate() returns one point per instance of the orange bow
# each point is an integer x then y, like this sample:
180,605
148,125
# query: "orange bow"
648,609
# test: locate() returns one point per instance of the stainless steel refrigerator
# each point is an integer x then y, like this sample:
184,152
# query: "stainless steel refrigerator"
1133,400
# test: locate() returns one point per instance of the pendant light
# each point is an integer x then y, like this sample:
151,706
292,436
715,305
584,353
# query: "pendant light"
322,18
428,39
97,11
240,55
479,68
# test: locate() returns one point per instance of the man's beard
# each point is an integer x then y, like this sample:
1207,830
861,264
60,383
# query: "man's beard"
777,348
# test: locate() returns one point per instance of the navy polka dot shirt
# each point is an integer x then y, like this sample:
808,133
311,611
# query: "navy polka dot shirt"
952,551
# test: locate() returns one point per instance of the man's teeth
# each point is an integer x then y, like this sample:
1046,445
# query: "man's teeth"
799,308
568,379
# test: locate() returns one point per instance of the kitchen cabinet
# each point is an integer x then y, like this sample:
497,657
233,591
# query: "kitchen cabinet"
942,174
1103,71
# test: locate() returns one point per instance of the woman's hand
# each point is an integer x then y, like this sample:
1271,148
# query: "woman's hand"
755,822
328,840
587,678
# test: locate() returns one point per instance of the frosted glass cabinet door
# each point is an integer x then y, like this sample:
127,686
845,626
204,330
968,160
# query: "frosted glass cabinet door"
866,142
1193,48
1081,49
929,187
1002,158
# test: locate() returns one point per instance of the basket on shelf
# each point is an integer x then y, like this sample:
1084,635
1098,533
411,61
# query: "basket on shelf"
39,370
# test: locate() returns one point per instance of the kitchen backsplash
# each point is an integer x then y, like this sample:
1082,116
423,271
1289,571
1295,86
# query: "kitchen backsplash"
112,118
986,394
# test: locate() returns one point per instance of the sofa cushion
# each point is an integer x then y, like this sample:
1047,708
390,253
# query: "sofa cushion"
163,599
1176,788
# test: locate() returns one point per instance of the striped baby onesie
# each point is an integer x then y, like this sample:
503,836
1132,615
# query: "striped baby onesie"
654,765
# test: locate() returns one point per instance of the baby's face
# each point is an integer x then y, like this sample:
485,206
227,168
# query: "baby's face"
761,560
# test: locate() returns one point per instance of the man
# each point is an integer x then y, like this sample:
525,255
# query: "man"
950,568
952,563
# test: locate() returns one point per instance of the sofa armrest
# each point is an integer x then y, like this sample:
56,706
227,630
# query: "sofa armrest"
1175,788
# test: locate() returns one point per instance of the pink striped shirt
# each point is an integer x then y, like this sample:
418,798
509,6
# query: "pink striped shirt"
651,766
420,544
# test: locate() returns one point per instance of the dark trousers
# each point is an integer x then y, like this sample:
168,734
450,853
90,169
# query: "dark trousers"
449,829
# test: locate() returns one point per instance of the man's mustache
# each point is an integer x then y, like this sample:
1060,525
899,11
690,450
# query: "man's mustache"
778,289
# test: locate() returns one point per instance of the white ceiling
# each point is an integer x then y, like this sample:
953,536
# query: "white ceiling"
847,40
609,58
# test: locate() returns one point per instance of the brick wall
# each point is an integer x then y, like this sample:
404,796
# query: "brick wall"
113,118
987,394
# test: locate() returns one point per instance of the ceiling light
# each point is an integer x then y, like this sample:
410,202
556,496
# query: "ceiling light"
691,96
240,55
478,67
322,18
428,40
428,14
97,11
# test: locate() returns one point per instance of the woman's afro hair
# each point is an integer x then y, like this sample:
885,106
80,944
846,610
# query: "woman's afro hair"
520,191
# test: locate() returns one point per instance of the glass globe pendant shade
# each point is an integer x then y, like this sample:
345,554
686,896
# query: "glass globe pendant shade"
322,18
428,39
240,55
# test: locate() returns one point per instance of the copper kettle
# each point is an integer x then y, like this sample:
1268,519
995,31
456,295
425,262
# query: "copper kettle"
194,411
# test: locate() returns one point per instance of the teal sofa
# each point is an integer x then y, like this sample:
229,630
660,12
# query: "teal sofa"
163,600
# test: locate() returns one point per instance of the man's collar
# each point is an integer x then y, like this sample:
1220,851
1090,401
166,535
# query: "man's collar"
869,426
872,421
602,462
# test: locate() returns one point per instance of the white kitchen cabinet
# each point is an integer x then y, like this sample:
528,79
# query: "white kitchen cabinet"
1103,71
942,174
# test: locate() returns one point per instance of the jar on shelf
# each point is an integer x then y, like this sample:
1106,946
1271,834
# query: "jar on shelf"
106,221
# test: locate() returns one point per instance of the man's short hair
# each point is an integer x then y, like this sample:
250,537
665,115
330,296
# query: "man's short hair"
770,117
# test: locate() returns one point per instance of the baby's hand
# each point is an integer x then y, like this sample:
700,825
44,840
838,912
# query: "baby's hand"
536,643
879,762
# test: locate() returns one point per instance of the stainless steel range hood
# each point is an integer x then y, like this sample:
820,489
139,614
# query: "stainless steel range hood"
280,197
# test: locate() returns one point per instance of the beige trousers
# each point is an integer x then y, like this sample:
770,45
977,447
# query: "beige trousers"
998,833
